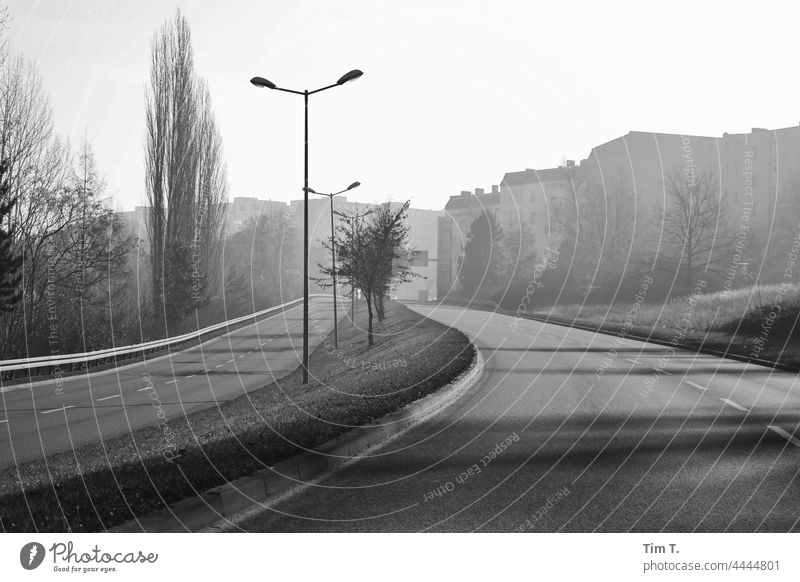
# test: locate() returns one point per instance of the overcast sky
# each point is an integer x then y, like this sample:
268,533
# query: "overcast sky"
454,94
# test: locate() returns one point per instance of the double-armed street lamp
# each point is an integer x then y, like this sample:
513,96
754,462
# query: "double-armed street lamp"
266,84
333,255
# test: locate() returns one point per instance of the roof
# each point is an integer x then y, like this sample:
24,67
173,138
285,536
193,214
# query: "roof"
529,176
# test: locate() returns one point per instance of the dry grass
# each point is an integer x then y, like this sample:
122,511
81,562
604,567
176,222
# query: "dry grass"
726,322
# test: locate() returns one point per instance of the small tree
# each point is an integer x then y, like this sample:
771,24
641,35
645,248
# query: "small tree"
371,254
696,238
388,231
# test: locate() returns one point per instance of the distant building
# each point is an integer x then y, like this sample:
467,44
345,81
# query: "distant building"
243,208
759,170
762,167
521,203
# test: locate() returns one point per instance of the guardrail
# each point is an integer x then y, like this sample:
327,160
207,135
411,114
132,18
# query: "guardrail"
40,365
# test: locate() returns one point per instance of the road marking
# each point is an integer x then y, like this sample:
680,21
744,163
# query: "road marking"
192,376
219,365
146,388
693,385
2,421
57,409
585,346
736,406
243,355
632,361
230,361
109,397
788,436
171,382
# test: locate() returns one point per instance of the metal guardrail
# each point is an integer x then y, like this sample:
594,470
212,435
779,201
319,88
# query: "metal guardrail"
69,362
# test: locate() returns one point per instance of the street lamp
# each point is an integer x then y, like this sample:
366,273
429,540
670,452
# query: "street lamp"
263,83
333,256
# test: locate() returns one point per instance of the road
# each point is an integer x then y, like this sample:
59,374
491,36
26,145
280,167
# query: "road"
41,419
561,434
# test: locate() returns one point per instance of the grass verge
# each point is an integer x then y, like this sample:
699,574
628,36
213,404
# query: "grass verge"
105,484
757,323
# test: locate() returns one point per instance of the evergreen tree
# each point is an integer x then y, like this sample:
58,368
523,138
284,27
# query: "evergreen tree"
10,260
484,265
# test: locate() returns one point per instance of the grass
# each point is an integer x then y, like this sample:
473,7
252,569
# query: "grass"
726,322
105,484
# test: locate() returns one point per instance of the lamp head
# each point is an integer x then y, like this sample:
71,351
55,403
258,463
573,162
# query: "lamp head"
354,185
262,83
351,76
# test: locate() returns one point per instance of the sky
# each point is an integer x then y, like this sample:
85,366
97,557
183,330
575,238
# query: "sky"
454,93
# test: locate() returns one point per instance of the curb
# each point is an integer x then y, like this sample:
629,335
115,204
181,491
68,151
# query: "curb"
212,510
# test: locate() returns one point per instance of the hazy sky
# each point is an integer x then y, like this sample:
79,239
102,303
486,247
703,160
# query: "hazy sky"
454,93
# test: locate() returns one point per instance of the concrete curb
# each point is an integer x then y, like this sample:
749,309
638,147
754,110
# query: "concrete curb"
215,509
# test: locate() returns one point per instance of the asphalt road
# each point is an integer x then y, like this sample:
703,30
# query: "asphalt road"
42,419
561,434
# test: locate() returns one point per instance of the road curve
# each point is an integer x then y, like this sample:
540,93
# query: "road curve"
42,419
563,434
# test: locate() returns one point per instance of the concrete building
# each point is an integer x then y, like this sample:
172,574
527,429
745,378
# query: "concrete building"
243,208
756,173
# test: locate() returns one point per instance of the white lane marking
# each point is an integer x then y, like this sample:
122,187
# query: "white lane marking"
694,385
632,361
243,355
270,339
2,421
171,382
192,376
585,346
219,365
146,388
788,436
109,397
63,408
230,361
736,406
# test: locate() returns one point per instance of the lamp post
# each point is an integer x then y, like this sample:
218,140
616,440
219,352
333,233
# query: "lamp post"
333,256
266,84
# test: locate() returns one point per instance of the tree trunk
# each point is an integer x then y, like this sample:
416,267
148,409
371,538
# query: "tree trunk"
370,340
378,302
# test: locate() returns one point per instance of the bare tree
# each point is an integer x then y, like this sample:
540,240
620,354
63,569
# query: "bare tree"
696,237
261,270
372,254
186,179
596,222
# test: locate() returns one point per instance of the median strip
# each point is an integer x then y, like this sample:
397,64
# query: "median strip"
171,461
